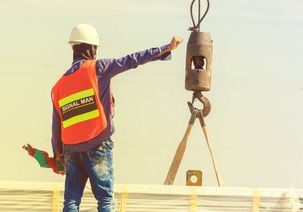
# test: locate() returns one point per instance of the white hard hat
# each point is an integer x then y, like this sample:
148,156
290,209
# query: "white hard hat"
84,33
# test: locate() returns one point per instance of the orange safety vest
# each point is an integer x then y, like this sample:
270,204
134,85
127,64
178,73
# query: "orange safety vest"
76,99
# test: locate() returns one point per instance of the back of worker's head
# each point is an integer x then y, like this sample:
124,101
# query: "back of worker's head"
84,40
84,51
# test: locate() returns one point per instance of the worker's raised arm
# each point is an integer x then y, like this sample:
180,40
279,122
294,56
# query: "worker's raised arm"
113,67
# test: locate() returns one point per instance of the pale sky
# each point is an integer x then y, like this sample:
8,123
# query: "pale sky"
255,125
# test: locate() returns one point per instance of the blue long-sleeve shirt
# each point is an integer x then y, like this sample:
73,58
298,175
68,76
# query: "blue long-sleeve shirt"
106,69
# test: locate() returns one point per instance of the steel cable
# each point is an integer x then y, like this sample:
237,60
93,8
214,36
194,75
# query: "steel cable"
196,27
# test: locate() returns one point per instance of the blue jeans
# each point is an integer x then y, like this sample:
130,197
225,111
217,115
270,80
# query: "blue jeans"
95,165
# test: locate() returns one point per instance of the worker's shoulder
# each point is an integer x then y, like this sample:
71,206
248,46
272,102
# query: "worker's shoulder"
104,63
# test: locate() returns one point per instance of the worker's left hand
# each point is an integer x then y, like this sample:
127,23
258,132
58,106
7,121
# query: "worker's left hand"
175,42
59,157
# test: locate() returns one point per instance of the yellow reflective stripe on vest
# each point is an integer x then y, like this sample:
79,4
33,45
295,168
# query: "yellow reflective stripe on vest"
76,96
80,118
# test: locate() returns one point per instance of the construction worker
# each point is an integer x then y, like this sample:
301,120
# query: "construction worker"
82,122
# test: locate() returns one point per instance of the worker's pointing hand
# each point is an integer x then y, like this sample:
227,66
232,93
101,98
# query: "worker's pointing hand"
175,42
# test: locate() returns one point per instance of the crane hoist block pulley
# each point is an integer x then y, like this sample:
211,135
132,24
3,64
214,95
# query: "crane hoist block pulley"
198,66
